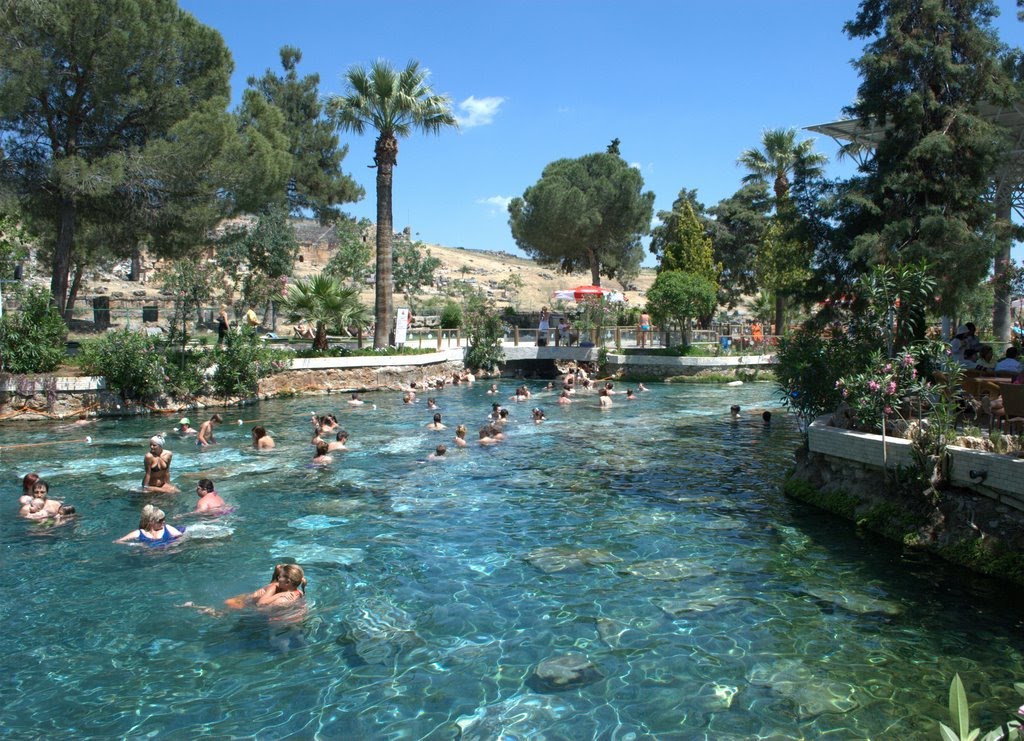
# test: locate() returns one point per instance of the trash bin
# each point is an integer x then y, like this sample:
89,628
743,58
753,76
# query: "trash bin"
150,314
726,341
101,312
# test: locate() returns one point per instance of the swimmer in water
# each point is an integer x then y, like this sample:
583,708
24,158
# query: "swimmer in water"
205,436
355,400
734,411
260,439
157,465
436,424
439,453
153,529
322,458
339,442
210,501
460,436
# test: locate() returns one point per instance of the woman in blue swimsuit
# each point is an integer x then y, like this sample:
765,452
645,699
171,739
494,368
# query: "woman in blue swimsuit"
152,529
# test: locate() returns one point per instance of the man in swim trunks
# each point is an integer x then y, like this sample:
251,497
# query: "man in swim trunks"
158,467
645,328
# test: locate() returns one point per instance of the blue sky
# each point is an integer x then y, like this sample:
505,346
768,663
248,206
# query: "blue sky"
685,85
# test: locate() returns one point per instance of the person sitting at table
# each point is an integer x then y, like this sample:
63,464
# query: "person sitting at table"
985,360
970,359
1010,362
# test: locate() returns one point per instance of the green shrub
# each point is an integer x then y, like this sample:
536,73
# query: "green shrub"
128,360
33,340
242,361
185,372
451,316
809,365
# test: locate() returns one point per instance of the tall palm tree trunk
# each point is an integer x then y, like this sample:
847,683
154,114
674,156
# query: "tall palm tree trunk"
387,152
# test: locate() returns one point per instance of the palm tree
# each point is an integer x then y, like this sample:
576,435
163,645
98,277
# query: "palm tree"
325,303
393,103
776,163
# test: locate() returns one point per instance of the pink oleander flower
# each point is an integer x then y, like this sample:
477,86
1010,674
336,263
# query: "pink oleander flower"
891,388
908,360
1020,711
839,383
888,367
887,410
846,393
873,386
913,374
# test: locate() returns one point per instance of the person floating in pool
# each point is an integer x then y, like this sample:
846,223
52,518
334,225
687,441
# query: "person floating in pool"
440,453
734,411
210,502
158,468
355,400
564,397
460,436
205,436
153,529
604,399
284,598
436,424
538,415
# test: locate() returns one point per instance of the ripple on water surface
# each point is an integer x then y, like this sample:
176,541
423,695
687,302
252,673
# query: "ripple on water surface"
633,573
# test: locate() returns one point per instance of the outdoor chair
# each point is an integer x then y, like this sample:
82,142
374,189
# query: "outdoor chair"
1013,405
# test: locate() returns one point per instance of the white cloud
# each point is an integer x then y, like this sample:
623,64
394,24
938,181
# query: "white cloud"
636,165
498,204
478,111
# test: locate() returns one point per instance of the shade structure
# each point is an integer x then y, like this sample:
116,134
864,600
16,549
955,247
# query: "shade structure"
582,293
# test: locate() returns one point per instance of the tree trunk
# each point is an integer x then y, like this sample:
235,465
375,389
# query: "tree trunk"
62,253
76,284
387,155
320,341
1004,240
780,313
135,272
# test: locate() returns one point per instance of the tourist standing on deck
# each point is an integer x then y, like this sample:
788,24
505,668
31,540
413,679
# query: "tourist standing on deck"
542,328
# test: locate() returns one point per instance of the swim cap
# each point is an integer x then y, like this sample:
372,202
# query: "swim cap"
156,440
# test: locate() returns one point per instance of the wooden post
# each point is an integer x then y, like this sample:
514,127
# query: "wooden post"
515,336
440,335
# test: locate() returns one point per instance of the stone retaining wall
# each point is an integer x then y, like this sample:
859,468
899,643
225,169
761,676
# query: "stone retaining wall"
976,521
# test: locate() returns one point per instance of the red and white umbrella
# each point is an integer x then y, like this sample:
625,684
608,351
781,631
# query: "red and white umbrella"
582,293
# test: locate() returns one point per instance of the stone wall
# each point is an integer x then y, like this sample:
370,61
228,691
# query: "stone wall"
968,521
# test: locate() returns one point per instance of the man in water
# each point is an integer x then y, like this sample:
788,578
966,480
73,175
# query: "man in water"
209,500
436,424
158,467
206,431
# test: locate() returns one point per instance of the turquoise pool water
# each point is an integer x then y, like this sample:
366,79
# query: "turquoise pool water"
648,543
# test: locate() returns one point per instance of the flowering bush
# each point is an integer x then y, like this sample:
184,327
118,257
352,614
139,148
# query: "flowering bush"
876,394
